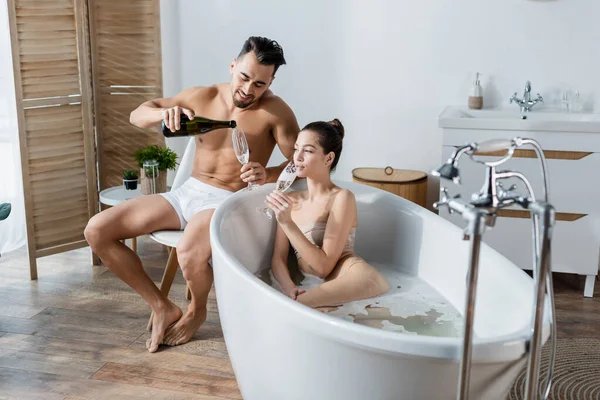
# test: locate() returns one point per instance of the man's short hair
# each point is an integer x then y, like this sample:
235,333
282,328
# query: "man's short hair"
267,51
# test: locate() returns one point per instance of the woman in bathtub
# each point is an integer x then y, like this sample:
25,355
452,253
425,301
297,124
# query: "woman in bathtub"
320,224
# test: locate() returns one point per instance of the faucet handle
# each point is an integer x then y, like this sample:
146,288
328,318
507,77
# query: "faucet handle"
513,98
509,193
540,99
443,199
443,195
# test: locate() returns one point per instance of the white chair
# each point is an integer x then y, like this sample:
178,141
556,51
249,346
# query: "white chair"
171,238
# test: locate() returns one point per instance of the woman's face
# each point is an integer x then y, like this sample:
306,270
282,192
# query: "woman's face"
309,156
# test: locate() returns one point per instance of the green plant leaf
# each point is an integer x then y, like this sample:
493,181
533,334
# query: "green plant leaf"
4,211
130,174
166,158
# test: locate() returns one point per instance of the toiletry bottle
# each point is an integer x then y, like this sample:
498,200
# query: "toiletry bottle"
476,96
576,104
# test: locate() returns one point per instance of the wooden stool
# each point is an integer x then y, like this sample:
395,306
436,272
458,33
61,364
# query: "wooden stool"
410,184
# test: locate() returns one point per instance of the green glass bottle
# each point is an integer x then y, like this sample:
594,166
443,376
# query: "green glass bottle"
196,126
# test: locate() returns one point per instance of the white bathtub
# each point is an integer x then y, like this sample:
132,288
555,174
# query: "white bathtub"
282,350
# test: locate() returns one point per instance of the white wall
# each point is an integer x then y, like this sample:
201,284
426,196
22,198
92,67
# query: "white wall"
388,68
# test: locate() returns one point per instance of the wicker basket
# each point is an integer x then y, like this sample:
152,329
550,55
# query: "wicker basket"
146,182
410,184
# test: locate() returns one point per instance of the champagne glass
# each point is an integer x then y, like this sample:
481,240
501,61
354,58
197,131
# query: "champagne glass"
240,147
284,181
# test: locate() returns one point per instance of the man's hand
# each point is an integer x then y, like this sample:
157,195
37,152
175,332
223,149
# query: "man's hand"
171,116
254,173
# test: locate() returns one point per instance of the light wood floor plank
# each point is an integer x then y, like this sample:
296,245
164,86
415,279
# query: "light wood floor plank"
194,356
8,309
24,394
19,325
39,385
51,364
150,376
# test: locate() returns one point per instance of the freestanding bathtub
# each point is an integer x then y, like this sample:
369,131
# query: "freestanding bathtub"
282,350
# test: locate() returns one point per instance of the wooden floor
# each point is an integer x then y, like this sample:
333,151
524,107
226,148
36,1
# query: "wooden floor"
79,333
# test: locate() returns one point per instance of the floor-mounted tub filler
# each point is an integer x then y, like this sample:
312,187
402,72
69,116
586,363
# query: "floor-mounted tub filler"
416,341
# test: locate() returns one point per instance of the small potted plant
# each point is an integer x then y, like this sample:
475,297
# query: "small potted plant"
130,179
154,179
4,211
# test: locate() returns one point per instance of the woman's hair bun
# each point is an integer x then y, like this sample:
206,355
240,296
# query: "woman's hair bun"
337,124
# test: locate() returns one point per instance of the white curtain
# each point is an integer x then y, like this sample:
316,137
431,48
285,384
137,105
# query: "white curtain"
12,230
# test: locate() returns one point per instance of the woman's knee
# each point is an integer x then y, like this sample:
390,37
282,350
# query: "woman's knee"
193,258
381,283
375,280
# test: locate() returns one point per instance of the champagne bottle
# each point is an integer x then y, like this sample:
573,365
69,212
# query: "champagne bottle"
196,126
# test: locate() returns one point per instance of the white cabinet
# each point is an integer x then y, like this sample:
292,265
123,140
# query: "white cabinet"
573,169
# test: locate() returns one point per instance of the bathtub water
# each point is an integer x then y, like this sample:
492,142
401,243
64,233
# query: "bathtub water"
411,306
406,346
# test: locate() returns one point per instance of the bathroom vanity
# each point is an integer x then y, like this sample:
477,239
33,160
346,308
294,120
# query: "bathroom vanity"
571,144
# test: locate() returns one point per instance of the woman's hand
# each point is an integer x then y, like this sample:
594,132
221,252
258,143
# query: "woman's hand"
293,292
281,204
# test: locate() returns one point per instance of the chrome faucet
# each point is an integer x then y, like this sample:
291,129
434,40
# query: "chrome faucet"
481,212
526,104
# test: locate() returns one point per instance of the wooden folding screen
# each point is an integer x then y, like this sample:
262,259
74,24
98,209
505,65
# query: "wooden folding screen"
126,63
57,93
54,110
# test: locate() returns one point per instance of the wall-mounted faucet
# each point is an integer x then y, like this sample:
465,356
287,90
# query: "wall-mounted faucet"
526,104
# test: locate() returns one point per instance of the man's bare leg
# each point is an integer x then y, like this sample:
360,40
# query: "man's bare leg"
134,218
193,252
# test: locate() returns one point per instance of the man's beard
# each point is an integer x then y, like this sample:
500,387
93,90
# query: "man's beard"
240,103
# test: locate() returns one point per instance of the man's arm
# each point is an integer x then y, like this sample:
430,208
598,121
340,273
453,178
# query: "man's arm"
285,132
152,112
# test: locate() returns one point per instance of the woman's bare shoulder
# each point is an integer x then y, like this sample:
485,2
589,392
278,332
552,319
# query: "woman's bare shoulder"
344,206
344,196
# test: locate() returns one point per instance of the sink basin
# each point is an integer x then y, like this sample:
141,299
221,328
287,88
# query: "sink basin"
511,119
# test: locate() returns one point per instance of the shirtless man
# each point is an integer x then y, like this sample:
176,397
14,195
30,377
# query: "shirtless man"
266,120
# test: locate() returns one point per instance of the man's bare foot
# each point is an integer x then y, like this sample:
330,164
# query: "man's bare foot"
185,328
163,318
